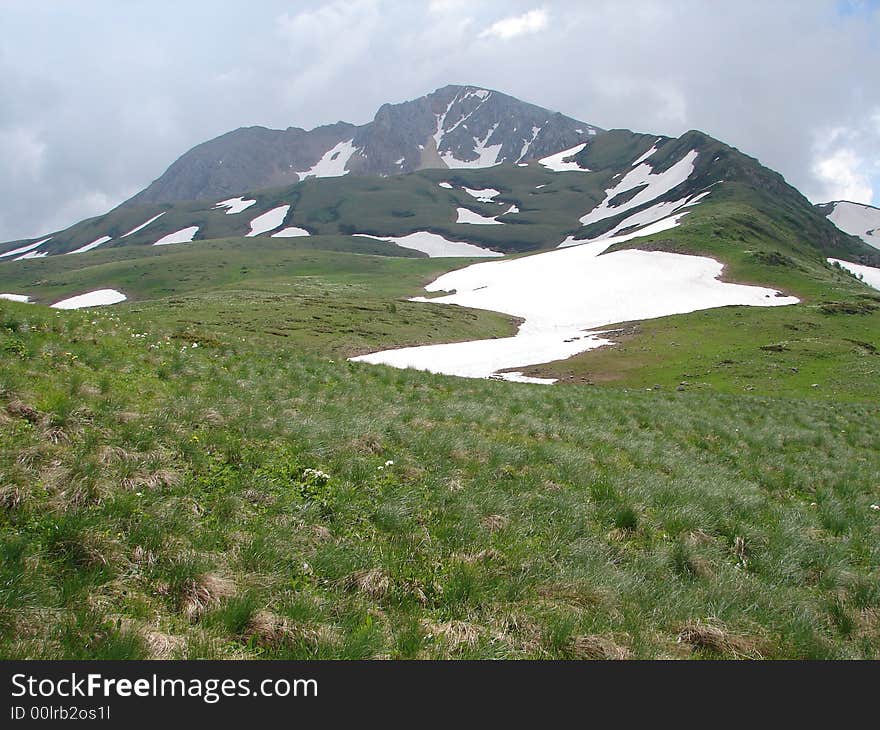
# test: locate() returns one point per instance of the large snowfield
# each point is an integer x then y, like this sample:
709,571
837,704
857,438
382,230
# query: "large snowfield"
564,296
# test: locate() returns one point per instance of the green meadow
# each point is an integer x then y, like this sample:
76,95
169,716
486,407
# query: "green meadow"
199,472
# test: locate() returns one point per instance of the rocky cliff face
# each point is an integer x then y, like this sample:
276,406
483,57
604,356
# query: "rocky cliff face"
453,127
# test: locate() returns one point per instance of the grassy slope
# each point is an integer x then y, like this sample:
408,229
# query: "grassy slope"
154,502
831,339
331,301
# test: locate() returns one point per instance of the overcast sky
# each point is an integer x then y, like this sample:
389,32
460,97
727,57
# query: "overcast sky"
98,97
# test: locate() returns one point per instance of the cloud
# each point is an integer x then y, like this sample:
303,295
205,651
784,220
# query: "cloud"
530,22
118,91
843,178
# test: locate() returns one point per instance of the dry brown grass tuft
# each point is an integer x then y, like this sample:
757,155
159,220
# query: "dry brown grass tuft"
488,555
269,630
160,645
374,583
493,523
455,634
56,435
108,455
205,593
714,636
321,533
574,595
213,417
368,443
19,409
592,646
142,556
11,497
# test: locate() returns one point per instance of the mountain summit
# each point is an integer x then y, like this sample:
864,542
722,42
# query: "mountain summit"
453,127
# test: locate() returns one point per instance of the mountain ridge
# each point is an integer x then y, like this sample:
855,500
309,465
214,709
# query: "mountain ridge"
449,127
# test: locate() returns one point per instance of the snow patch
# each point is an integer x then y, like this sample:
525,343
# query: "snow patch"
291,232
98,298
484,195
527,144
555,162
645,156
857,220
446,185
563,296
94,244
868,274
608,240
24,249
332,163
143,225
184,235
234,205
436,246
657,184
469,216
268,221
487,155
24,298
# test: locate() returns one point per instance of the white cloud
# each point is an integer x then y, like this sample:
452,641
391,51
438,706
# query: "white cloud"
843,177
516,25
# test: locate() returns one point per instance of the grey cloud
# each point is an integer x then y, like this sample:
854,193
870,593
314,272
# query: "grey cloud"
99,97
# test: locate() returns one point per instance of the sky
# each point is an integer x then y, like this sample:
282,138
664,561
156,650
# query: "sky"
98,97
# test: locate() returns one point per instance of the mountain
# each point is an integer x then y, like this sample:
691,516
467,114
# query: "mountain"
857,219
560,180
453,127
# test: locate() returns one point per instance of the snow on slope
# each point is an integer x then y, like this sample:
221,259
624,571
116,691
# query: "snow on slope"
857,220
555,162
291,232
94,244
869,274
142,225
645,156
98,298
268,221
333,162
184,235
484,195
15,297
32,255
487,154
436,246
657,184
469,216
563,295
655,219
446,185
24,249
234,205
664,224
